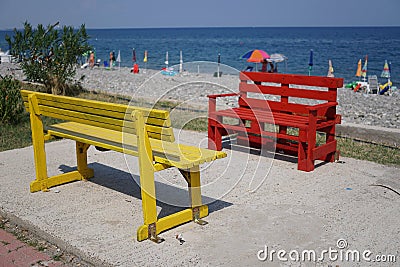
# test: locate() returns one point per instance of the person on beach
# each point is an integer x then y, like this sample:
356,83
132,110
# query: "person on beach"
91,60
112,59
135,68
264,66
272,67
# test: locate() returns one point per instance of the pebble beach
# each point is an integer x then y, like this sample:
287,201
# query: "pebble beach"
193,88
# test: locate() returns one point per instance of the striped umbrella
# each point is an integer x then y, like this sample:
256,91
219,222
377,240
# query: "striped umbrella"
386,72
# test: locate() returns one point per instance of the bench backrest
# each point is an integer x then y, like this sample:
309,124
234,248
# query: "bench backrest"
101,114
284,87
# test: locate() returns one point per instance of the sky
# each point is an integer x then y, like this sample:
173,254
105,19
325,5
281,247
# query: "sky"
201,13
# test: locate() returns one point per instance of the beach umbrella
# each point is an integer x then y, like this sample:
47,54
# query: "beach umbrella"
365,69
145,60
119,59
180,62
330,69
256,56
166,60
134,55
310,62
219,62
358,72
276,58
386,73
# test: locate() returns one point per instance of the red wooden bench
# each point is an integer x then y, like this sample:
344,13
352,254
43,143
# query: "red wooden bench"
285,110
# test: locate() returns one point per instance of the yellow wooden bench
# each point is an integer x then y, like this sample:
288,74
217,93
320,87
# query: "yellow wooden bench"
145,133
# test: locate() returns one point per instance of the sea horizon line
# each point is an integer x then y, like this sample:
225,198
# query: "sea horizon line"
227,27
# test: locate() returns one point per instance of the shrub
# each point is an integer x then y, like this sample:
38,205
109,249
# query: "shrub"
49,55
11,105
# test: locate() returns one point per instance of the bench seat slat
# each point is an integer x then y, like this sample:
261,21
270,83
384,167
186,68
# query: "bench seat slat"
173,154
274,135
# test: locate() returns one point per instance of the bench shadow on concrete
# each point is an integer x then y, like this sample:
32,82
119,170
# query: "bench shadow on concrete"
123,182
230,143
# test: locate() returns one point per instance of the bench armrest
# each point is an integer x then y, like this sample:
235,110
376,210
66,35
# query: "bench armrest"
222,95
321,106
212,101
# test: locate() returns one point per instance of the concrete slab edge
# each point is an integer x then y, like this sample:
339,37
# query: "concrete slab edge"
52,239
375,134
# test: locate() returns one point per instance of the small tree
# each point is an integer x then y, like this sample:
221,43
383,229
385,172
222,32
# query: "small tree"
49,55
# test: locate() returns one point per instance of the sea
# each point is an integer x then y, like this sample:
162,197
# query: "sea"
344,46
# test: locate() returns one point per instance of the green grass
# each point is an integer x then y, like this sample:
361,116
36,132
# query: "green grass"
368,151
17,136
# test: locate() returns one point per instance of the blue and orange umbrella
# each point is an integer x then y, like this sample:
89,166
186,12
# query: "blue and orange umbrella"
256,56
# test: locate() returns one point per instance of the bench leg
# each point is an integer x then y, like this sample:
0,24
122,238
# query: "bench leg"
147,183
302,156
311,139
214,136
38,151
152,225
195,213
305,151
82,173
150,228
192,176
330,137
81,158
